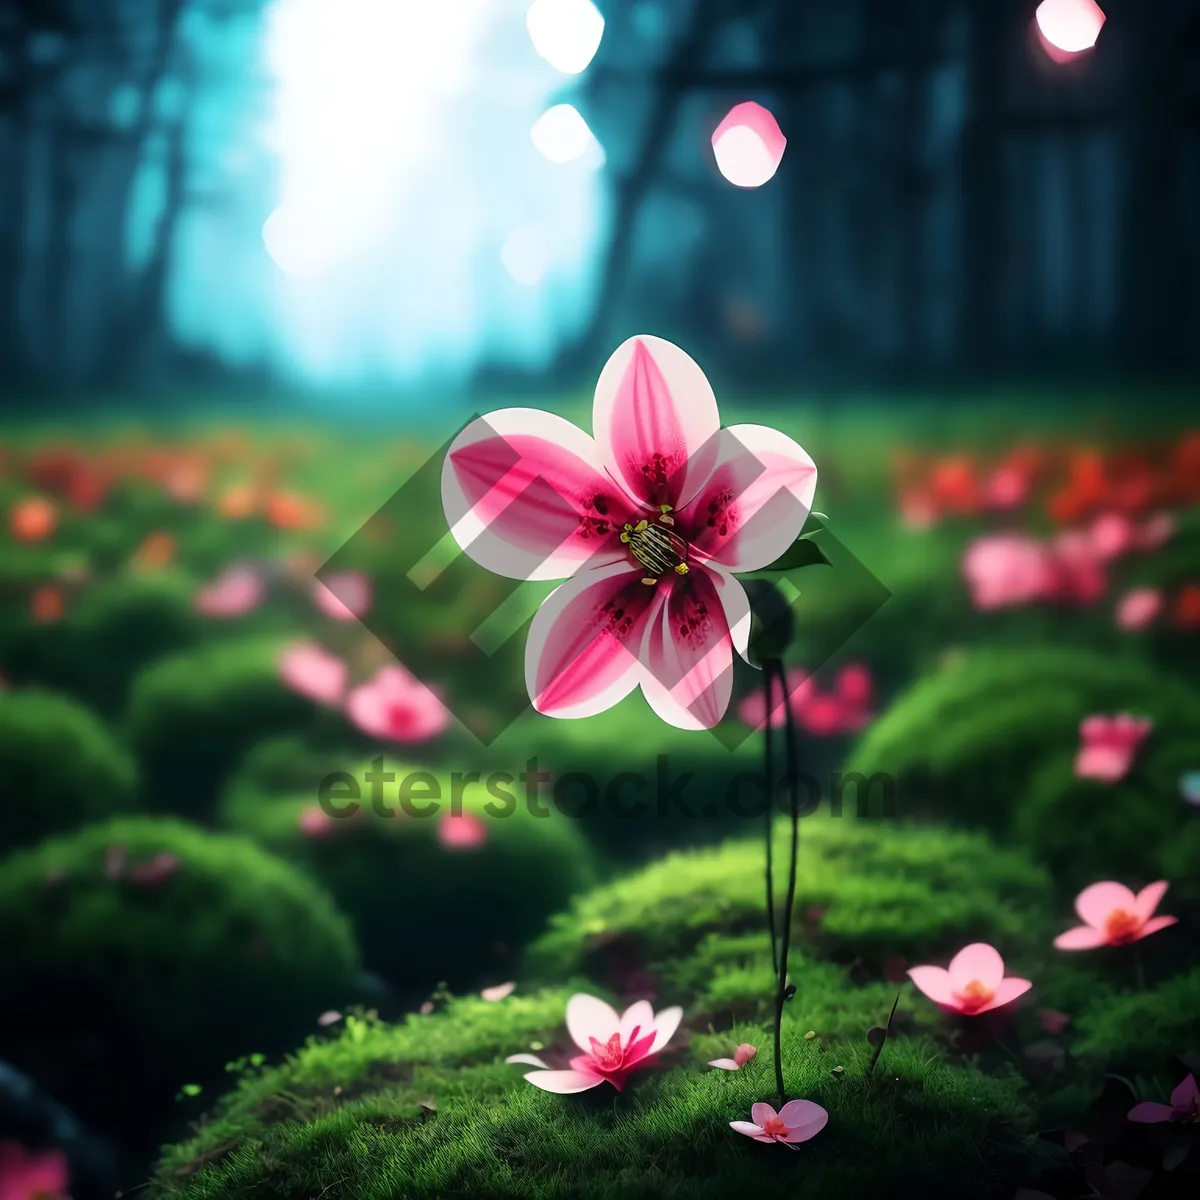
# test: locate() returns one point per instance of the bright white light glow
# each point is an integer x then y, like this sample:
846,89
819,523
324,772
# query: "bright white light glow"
566,33
561,134
748,145
524,256
302,248
1070,26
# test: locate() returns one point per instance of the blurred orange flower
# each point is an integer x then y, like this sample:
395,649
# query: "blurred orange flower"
288,510
46,605
32,519
158,550
238,502
954,485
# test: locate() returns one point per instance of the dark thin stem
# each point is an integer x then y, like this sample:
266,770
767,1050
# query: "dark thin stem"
769,815
1141,971
794,803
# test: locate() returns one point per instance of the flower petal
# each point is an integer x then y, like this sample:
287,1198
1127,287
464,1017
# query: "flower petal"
804,1120
978,961
531,1059
1095,903
1153,926
655,419
525,495
750,1130
564,1082
639,1015
589,1017
761,1113
754,504
726,1064
1007,991
1150,1112
688,653
581,658
1082,937
1185,1094
665,1025
934,982
1148,899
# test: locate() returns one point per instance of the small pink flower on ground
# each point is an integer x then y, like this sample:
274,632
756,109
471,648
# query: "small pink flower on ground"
1108,746
235,593
796,1121
426,1008
1139,608
1113,916
395,706
345,597
1155,532
464,832
25,1176
156,872
315,823
613,1046
313,671
741,1056
1112,535
499,992
331,1017
1184,1107
974,983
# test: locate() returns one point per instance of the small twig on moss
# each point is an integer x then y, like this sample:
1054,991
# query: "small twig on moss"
769,815
880,1037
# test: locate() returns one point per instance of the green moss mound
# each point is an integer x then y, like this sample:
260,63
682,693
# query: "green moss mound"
60,767
865,890
967,740
192,717
1145,1031
429,1108
424,910
231,951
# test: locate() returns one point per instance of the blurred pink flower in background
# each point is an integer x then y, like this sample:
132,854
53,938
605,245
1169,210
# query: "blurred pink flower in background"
395,706
741,1056
1156,532
1184,1106
499,992
1068,28
1112,535
315,823
1139,608
315,672
1007,570
1113,916
1007,488
613,1046
345,597
329,1017
796,1121
918,509
1108,746
25,1176
156,872
974,983
845,709
238,591
464,832
1078,574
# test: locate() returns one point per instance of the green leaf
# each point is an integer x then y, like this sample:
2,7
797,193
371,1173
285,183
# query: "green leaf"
189,1089
803,552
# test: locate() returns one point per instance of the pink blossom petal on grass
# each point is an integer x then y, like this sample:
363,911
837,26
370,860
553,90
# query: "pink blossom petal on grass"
744,1053
527,497
1150,1112
725,1064
1082,937
499,992
1095,903
933,982
804,1120
656,421
1149,898
581,658
665,1024
761,1113
750,1130
1153,926
531,1060
590,1017
978,961
329,1018
566,1083
1007,991
755,503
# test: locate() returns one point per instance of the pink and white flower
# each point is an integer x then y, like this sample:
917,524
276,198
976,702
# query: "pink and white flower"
613,1046
741,1056
1139,608
315,672
236,592
1113,916
1008,570
1108,746
1183,1109
645,522
395,706
796,1121
974,983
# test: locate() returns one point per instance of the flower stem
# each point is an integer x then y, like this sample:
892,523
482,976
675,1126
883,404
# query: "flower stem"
1139,968
793,784
769,814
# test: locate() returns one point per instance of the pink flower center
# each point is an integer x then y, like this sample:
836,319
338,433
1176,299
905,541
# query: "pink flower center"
975,994
775,1127
609,1056
1120,926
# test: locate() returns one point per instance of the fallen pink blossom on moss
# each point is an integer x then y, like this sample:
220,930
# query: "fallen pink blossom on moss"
796,1121
1108,746
1113,916
974,983
741,1056
499,992
1184,1106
